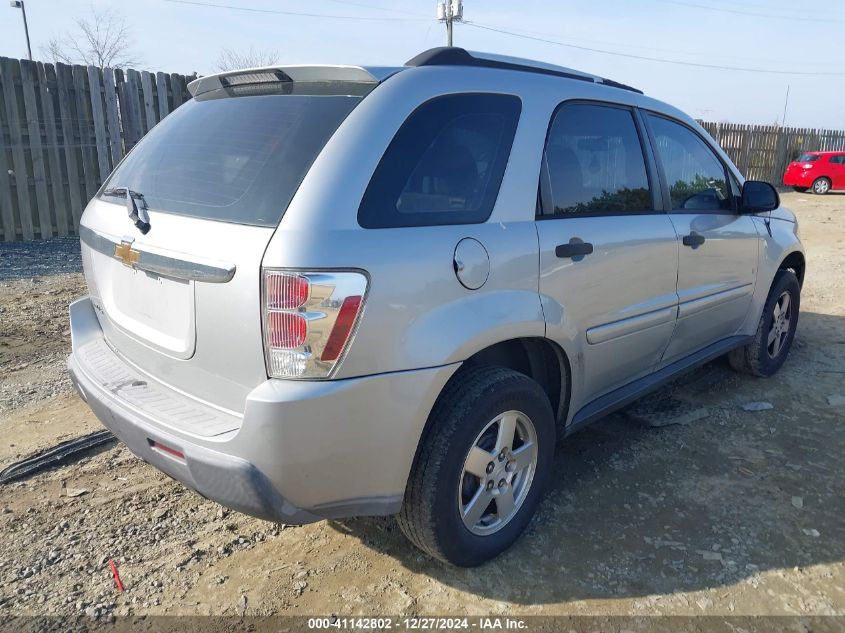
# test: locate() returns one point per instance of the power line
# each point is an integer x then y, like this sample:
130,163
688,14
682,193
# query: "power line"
655,59
751,13
570,38
372,6
296,13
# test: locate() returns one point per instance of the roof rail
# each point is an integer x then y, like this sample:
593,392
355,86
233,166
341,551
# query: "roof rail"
454,56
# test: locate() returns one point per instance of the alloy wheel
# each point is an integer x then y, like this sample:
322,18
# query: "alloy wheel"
497,473
781,319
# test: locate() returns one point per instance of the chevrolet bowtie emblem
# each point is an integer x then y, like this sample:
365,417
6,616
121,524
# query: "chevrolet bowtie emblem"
125,253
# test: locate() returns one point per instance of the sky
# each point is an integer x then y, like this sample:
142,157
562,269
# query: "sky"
762,35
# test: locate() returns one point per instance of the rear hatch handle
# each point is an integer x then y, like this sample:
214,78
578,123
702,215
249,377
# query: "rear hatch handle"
157,260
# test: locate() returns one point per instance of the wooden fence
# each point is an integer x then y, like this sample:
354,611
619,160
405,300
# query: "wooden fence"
62,130
762,152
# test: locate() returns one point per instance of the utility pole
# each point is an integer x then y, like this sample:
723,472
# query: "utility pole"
18,4
785,103
450,11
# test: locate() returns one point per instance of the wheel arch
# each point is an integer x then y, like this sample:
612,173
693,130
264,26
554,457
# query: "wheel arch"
795,262
538,358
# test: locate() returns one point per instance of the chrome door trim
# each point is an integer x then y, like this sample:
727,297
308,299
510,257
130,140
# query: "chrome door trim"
160,261
694,306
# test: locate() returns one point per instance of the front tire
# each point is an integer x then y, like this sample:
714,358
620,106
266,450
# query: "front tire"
482,468
821,186
775,331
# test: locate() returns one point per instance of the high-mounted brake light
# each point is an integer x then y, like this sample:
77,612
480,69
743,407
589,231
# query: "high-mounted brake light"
255,77
309,320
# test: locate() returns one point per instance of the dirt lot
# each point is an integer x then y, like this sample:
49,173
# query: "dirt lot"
737,513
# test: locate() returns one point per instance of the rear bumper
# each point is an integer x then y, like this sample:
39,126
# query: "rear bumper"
302,451
798,178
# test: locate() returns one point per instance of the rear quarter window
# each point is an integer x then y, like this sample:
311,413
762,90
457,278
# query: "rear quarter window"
445,164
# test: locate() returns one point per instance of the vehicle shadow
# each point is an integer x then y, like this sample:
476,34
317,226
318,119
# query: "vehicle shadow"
635,511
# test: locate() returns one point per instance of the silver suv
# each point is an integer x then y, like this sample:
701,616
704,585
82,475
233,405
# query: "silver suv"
365,291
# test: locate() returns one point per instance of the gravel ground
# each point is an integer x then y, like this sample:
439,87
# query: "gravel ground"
21,260
37,282
732,512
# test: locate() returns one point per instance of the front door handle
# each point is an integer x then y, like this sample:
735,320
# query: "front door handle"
693,240
575,249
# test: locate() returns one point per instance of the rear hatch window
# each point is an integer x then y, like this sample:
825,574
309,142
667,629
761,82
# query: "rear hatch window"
807,158
231,158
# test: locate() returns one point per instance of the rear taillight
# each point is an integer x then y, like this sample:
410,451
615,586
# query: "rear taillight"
309,319
286,291
807,166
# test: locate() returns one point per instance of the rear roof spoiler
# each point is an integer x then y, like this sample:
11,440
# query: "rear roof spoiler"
315,73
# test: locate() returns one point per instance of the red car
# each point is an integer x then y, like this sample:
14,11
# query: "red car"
819,171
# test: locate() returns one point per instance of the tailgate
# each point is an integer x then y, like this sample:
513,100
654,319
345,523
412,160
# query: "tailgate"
171,306
173,243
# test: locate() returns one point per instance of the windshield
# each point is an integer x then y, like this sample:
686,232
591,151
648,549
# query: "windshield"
235,159
807,158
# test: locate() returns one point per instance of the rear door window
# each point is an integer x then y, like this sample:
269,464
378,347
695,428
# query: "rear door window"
594,163
445,164
231,158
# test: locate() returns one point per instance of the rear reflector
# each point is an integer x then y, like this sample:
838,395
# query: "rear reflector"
342,328
163,448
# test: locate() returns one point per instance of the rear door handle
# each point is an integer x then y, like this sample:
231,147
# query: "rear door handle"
575,249
694,240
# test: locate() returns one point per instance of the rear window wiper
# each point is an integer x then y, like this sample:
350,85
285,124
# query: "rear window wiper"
139,217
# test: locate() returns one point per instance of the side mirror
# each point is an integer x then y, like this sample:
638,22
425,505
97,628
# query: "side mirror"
759,196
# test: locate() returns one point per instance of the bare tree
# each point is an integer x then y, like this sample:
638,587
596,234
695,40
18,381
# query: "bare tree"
233,60
101,40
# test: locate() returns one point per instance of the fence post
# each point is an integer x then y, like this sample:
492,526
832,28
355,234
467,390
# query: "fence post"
112,116
99,121
61,209
64,82
9,72
7,212
149,100
29,81
161,93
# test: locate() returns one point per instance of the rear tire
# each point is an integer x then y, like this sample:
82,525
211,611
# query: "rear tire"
821,186
775,331
464,518
800,189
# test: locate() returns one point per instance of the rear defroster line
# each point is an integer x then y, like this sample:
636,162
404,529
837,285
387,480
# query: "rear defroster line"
56,456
